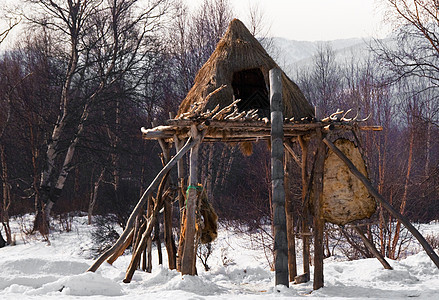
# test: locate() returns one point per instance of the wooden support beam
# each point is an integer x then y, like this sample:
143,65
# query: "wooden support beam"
305,229
167,216
372,248
221,130
141,203
319,222
147,253
289,211
180,182
277,179
289,146
187,263
145,240
125,245
428,249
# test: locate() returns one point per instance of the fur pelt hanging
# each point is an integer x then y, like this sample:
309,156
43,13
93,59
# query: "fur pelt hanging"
206,218
246,148
345,198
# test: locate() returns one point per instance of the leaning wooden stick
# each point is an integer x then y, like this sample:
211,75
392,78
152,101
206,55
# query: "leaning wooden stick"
122,249
372,248
130,223
151,223
377,196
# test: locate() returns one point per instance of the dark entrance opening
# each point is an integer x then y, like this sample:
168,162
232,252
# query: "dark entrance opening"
249,86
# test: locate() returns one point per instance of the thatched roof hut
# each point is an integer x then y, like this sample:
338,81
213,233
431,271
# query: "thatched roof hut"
241,64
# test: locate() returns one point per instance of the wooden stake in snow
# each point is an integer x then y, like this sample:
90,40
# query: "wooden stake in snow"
372,248
393,211
277,179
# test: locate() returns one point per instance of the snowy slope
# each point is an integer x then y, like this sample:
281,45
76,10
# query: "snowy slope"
296,55
33,269
293,51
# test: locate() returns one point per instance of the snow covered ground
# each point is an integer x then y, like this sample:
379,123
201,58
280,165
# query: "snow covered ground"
33,269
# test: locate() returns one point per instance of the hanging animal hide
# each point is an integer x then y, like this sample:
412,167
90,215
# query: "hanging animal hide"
209,219
345,198
206,218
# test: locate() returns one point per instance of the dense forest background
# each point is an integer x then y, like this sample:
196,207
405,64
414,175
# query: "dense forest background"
87,75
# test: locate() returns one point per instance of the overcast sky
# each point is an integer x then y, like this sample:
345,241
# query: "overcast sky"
311,20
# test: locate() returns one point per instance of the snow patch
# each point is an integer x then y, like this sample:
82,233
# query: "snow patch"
86,284
239,270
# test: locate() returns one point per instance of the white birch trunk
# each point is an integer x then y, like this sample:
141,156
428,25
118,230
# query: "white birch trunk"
94,195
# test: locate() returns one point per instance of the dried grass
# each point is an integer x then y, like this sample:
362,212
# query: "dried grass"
239,50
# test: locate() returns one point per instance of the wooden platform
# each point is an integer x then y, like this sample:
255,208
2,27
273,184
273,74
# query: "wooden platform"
244,130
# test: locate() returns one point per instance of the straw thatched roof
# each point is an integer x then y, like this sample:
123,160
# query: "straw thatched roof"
239,57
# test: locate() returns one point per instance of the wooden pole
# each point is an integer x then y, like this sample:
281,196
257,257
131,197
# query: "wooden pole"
147,251
167,216
289,211
145,240
319,222
372,248
428,249
119,243
289,146
187,265
180,181
125,245
277,179
305,229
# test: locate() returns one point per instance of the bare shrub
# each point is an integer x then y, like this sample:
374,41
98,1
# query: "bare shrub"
433,240
104,234
203,253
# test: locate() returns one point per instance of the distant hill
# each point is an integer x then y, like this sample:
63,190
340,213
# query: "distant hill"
291,54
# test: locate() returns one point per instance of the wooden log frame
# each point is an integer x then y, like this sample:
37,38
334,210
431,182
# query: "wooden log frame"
428,249
227,130
141,203
277,180
145,240
289,147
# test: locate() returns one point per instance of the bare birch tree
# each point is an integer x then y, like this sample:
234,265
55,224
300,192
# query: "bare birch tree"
103,41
